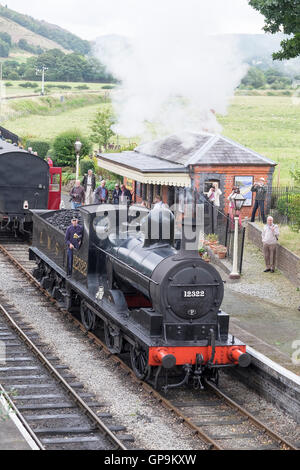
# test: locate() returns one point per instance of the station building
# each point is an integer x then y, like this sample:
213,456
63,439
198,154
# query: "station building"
190,160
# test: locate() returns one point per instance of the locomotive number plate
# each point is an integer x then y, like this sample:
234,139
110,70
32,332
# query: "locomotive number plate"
192,294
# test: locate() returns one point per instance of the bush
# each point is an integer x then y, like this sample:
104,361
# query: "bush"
29,85
8,84
63,147
40,147
87,164
67,177
82,87
13,76
108,87
289,205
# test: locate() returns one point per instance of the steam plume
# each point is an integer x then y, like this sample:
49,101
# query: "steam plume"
175,74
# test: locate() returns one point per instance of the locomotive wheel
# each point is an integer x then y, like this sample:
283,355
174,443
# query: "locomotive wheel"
139,363
113,339
88,318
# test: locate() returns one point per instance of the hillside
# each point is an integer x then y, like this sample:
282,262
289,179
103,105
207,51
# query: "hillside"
18,32
47,31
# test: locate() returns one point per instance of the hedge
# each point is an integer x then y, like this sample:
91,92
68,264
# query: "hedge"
39,146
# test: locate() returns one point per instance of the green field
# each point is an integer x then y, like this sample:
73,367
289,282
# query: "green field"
269,125
17,90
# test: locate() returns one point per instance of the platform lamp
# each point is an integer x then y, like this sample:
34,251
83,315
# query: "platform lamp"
78,147
239,201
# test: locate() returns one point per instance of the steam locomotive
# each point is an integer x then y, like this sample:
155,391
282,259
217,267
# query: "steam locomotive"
160,303
26,182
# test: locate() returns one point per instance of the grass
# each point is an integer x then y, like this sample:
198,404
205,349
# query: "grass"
266,124
48,127
287,238
270,126
17,90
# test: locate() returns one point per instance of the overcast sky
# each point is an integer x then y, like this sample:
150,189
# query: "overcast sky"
92,18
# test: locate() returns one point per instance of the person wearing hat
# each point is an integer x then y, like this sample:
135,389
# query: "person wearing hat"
116,194
73,241
260,189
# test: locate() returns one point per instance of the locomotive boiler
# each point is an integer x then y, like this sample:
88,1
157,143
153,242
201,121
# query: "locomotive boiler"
160,302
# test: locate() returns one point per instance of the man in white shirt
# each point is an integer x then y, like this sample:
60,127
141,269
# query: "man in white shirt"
89,184
270,236
214,198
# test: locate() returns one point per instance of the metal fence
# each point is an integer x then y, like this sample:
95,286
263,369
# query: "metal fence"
215,221
285,205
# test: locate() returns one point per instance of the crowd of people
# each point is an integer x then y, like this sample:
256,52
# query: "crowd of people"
85,193
270,233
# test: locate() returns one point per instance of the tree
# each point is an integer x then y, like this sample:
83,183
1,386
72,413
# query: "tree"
6,38
4,49
295,174
282,16
254,78
101,128
63,147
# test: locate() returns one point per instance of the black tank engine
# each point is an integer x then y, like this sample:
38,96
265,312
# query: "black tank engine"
160,302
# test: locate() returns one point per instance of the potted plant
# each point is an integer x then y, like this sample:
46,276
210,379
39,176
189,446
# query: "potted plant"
202,251
212,238
206,258
222,252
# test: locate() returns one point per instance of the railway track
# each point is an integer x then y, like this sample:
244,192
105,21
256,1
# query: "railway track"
214,417
54,408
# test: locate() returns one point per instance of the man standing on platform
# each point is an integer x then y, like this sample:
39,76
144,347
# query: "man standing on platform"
125,196
89,184
261,191
73,240
270,236
101,194
77,196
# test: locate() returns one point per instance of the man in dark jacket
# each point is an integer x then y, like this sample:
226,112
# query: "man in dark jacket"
117,193
261,192
126,196
89,184
73,241
101,194
77,196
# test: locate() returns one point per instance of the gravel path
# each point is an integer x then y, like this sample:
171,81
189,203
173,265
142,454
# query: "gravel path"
153,427
274,287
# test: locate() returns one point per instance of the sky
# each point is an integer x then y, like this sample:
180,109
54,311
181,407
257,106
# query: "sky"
93,18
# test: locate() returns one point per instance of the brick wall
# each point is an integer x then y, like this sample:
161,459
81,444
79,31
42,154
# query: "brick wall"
226,175
286,261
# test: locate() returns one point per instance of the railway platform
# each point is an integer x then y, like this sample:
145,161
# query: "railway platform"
13,436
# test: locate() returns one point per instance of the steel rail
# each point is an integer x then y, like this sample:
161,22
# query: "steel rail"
250,417
147,387
71,392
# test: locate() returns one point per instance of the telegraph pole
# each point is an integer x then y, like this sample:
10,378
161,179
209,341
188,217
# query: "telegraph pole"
42,71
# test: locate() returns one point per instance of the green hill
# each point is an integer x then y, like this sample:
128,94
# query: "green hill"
40,33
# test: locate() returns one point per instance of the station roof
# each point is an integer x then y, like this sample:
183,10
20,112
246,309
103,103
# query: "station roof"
191,148
167,161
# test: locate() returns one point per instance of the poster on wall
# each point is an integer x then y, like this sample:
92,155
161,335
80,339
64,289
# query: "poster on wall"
130,184
245,184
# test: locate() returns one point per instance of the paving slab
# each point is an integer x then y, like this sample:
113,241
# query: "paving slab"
11,437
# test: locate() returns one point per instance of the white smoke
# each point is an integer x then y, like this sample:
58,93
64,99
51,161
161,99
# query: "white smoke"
175,74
